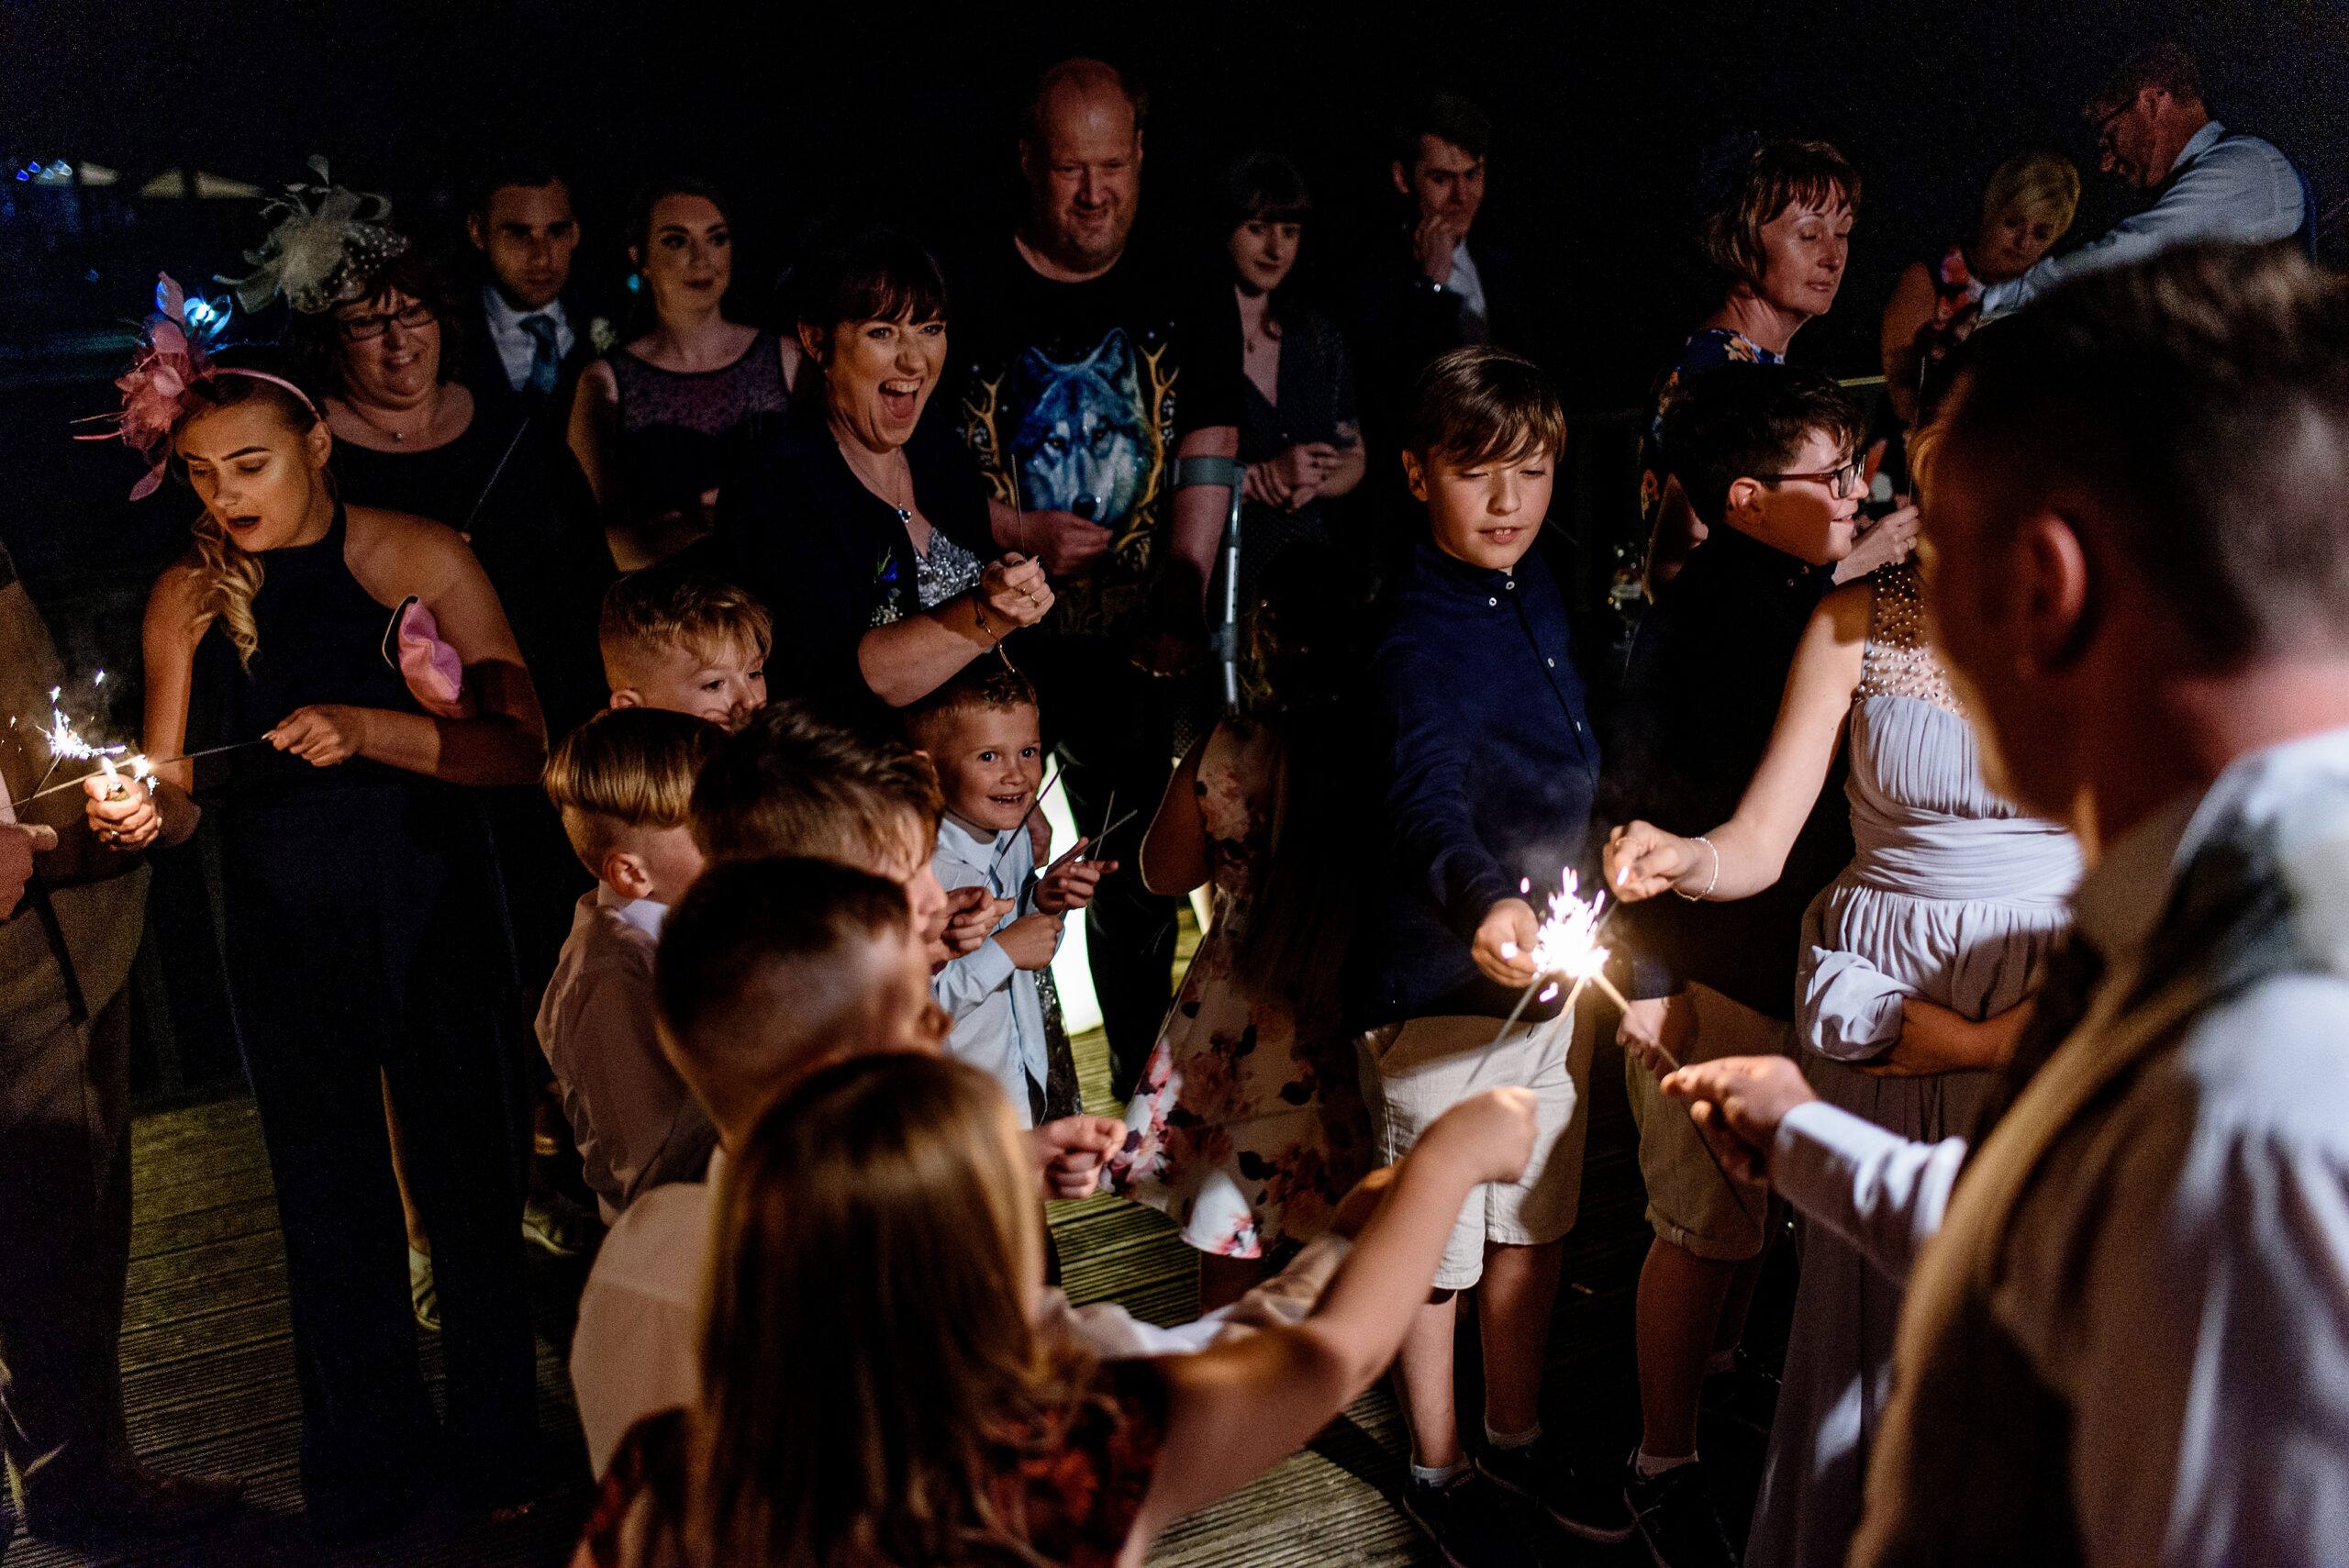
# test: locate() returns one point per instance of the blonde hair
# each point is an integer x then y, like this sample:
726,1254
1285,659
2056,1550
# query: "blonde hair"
626,767
669,605
2033,184
228,576
878,1245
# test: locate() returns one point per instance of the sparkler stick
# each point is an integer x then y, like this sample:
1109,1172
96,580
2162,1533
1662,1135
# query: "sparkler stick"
138,760
1049,784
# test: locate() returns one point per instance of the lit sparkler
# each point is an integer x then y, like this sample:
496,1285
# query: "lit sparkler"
1565,947
64,744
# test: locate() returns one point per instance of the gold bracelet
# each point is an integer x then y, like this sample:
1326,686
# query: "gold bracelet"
979,609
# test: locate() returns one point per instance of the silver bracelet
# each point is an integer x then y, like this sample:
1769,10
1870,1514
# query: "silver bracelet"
1716,882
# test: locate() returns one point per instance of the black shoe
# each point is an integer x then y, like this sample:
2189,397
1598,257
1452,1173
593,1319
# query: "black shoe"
1677,1521
1476,1524
1744,1393
1543,1472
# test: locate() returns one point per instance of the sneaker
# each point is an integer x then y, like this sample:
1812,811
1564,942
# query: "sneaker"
422,1294
1745,1395
1476,1524
1543,1472
1676,1519
553,1224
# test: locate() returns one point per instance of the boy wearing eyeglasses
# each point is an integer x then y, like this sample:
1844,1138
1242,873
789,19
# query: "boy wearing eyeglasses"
1767,457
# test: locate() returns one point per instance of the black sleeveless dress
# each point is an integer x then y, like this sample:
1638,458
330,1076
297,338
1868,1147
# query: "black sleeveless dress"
365,932
684,433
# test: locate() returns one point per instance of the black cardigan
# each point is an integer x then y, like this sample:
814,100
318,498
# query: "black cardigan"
829,558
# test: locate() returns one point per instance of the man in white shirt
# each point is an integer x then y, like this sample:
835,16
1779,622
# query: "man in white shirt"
2126,1335
2153,133
530,348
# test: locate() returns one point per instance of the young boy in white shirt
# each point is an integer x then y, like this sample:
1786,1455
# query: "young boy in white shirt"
622,783
983,732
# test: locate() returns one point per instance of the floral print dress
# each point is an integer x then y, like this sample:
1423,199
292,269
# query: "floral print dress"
1248,1125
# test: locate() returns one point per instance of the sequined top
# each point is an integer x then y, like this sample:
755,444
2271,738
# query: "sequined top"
1896,662
946,571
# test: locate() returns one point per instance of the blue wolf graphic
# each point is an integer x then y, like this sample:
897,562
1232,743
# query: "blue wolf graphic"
1085,442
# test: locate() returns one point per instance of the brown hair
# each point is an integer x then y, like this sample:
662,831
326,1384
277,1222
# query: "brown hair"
757,975
982,684
878,1244
626,767
2164,65
1483,404
2201,398
669,605
1772,178
792,784
1743,421
319,346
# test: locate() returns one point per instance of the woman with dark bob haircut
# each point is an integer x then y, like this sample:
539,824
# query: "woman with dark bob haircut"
862,528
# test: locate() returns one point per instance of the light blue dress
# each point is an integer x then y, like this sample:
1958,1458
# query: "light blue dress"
1953,898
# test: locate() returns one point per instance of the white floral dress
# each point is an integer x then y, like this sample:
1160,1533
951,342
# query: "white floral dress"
1248,1125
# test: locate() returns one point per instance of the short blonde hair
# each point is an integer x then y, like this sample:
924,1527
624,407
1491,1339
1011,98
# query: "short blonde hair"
626,767
1772,178
668,606
2033,185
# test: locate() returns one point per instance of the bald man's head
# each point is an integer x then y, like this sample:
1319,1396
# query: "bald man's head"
1081,151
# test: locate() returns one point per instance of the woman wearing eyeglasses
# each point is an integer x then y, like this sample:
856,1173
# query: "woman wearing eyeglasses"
1910,980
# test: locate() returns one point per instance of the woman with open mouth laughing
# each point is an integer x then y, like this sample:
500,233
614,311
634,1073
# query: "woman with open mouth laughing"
861,525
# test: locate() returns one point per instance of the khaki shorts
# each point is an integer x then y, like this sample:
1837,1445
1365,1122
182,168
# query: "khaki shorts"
1413,1072
1690,1202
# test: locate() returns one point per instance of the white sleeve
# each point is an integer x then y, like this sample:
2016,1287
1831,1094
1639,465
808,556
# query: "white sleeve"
632,1356
1112,1333
967,982
1874,1189
2241,189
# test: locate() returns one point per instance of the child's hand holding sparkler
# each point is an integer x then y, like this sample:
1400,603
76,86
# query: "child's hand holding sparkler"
1071,882
1505,942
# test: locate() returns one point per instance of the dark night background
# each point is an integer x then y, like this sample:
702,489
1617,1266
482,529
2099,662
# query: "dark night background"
866,108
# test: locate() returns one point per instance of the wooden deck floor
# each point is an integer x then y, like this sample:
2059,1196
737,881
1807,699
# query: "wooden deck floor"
209,1379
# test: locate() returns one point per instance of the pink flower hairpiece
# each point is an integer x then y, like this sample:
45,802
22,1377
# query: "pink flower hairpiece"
172,357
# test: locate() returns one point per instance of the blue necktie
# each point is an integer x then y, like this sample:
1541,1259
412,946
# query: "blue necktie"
546,361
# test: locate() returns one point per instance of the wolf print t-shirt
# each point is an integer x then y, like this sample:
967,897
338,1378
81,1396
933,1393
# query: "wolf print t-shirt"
1074,397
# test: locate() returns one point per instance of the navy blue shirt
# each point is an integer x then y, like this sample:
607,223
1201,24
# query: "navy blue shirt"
1490,770
1700,696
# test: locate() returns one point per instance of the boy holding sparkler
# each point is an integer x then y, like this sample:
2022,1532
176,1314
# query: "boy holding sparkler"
982,733
1491,768
1765,456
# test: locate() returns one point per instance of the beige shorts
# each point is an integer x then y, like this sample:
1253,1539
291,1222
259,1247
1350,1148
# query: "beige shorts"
1413,1072
1690,1202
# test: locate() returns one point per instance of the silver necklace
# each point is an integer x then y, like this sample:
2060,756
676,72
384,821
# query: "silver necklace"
904,514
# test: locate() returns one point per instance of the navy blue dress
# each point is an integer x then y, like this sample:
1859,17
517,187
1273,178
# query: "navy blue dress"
365,934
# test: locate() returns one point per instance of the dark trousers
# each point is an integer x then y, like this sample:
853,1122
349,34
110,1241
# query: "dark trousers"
382,958
64,1243
1112,728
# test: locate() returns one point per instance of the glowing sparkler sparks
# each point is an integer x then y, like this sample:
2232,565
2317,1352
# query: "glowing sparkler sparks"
1566,946
64,745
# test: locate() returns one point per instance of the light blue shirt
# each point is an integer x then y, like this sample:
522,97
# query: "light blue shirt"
998,1014
2206,1361
2220,187
515,347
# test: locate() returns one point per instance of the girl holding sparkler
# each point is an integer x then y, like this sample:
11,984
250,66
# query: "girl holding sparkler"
363,935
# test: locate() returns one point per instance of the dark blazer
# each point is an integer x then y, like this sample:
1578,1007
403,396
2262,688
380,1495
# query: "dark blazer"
1398,321
484,370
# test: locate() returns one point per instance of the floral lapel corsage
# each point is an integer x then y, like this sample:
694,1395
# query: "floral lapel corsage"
885,572
603,334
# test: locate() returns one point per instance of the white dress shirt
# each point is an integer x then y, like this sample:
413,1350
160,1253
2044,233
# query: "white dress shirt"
636,1123
515,347
2182,1283
2220,187
634,1352
1468,283
998,1011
